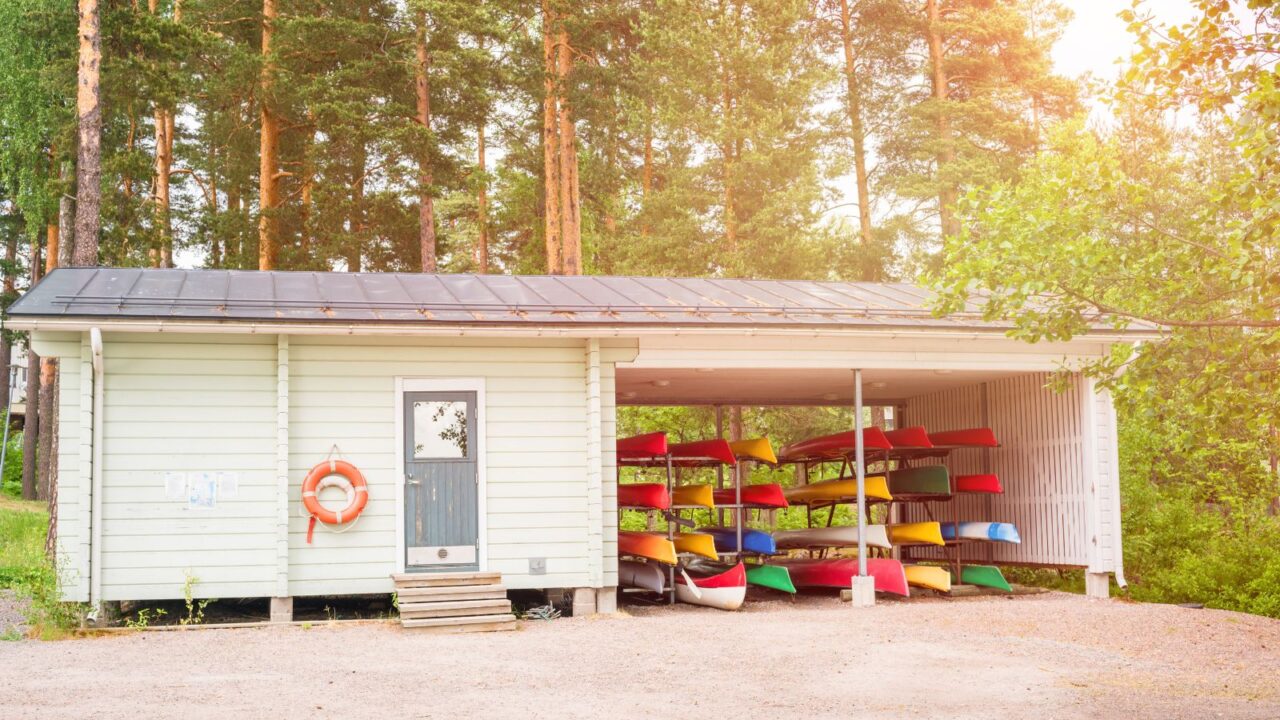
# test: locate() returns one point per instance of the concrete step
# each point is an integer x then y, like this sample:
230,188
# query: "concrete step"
469,623
449,594
415,611
425,580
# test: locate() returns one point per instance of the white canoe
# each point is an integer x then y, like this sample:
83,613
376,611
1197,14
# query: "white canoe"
646,576
725,591
820,537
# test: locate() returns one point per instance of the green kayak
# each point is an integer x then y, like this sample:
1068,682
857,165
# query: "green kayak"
927,480
984,576
774,577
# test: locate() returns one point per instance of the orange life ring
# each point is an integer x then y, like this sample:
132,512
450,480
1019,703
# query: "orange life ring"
340,474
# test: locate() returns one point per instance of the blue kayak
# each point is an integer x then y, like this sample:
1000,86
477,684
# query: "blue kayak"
753,541
989,531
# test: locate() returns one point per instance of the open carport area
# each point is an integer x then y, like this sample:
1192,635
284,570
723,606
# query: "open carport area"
1052,655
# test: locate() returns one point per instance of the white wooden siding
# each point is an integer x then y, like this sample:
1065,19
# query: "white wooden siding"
1041,463
342,391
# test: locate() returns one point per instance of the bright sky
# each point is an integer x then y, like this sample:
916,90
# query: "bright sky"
1096,39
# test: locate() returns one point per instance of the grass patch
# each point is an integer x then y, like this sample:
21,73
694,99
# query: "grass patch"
26,570
1067,580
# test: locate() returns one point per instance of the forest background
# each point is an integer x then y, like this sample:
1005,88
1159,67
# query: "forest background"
915,140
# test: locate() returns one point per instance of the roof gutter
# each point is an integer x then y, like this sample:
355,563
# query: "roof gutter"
529,329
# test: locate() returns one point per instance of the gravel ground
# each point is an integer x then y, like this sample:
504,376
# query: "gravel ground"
1051,656
12,614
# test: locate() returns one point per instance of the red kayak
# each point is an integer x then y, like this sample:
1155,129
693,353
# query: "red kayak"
642,447
702,452
833,447
839,573
761,496
978,484
909,437
973,437
644,495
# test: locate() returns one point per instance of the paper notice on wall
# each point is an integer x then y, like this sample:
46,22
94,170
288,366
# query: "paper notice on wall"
203,491
228,485
175,486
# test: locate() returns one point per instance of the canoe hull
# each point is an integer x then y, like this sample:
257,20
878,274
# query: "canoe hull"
646,446
982,531
909,437
774,577
931,577
839,573
833,447
643,575
983,576
724,591
648,496
822,537
918,533
753,541
646,545
699,544
839,490
978,484
693,496
702,452
915,481
758,449
768,495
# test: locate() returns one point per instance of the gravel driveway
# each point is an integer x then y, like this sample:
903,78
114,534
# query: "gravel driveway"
1050,656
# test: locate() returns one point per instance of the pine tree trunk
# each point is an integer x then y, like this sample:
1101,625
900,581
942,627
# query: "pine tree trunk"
268,151
45,467
163,166
66,222
857,132
426,178
552,225
31,426
646,177
356,220
570,209
89,154
946,152
482,204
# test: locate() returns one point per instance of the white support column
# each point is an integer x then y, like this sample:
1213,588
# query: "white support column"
864,586
282,603
595,469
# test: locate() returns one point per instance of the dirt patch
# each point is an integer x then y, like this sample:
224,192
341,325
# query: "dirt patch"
1054,655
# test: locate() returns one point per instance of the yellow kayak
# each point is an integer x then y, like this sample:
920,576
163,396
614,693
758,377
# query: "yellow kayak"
928,576
754,449
838,490
697,544
696,495
646,545
917,533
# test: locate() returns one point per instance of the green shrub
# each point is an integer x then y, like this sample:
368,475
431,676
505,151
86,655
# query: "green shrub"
26,570
11,480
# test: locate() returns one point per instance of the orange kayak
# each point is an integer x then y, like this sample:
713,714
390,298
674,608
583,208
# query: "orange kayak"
693,495
646,545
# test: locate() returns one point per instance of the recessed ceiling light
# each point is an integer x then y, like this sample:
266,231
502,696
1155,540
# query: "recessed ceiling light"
942,372
879,385
830,396
629,395
706,370
661,383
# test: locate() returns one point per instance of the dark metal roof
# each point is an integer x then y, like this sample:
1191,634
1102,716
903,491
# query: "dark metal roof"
422,299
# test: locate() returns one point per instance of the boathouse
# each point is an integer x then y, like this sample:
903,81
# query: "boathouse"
481,410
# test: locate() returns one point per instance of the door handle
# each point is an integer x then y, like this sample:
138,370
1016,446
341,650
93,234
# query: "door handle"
415,482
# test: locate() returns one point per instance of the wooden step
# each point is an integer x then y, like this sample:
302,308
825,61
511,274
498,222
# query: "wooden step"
449,594
414,611
470,623
424,580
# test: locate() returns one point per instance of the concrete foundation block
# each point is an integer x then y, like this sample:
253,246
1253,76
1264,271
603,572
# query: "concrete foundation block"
863,593
607,600
1097,585
584,602
281,609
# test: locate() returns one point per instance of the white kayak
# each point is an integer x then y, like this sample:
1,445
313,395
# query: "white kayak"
643,575
820,537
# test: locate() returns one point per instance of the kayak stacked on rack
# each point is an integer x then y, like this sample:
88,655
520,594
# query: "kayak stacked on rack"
712,565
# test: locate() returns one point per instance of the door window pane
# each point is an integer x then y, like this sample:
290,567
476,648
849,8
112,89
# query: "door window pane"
439,429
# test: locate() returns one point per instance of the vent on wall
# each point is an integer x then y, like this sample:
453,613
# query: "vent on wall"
537,566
